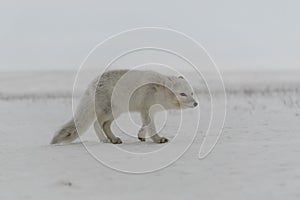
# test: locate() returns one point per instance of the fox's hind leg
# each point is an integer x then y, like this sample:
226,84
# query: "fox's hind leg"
99,132
109,134
142,134
105,117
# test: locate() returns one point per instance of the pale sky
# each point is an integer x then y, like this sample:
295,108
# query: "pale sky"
58,34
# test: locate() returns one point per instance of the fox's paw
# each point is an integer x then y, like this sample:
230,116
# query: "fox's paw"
160,140
142,139
163,140
157,139
116,141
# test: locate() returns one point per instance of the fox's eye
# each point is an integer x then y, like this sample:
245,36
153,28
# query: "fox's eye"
183,94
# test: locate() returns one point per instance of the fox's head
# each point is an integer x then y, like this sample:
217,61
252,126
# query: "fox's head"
181,93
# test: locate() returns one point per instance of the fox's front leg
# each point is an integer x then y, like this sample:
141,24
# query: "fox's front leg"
144,128
100,133
149,126
154,136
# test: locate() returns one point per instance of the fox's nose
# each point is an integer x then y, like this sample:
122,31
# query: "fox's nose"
195,104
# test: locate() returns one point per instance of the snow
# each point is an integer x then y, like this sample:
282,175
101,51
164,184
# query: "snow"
257,156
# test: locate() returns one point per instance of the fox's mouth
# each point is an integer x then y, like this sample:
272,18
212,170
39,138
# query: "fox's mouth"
188,106
182,105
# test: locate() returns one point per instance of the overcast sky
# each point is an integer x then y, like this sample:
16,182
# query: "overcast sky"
58,34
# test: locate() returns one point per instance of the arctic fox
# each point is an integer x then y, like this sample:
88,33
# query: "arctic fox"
105,100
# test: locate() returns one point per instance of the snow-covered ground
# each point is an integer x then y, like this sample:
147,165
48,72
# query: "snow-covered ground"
257,156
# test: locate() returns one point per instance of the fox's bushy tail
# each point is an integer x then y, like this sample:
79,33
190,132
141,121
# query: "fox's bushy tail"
83,118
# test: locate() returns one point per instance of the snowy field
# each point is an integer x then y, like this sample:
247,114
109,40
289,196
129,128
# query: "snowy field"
257,156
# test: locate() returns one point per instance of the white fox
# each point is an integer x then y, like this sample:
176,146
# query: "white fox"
102,103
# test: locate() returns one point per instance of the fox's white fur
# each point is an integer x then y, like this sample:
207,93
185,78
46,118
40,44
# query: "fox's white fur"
105,99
